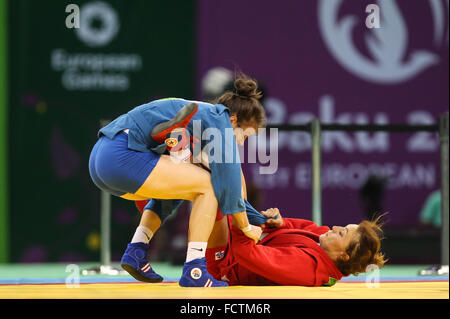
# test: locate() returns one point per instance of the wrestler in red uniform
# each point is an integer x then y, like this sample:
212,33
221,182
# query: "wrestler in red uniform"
295,253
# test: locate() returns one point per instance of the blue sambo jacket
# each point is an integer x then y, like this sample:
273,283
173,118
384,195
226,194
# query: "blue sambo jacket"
225,170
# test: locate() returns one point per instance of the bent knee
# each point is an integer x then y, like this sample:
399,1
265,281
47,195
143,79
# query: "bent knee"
204,189
205,185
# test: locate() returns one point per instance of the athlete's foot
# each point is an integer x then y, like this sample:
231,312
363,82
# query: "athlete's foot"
135,262
195,274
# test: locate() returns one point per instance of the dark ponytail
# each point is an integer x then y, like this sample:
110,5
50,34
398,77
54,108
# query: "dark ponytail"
244,102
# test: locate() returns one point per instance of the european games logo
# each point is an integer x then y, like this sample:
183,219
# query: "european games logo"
95,24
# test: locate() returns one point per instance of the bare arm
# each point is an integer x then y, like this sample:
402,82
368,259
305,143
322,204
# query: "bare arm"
244,185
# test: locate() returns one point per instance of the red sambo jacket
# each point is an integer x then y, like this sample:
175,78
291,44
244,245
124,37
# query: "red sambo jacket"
289,255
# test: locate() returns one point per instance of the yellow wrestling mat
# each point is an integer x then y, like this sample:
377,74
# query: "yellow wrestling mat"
349,290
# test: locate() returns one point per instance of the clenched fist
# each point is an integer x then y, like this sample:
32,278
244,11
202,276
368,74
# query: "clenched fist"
274,216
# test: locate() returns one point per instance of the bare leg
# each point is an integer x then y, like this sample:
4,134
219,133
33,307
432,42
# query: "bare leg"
150,220
219,234
170,180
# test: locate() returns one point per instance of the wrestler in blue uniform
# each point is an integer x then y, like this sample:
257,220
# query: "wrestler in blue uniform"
131,169
121,161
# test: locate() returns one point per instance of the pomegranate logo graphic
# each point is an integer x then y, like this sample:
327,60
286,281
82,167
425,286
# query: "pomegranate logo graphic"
390,61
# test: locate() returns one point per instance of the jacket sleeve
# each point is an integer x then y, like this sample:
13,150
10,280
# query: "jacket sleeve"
290,266
225,165
303,224
226,182
254,217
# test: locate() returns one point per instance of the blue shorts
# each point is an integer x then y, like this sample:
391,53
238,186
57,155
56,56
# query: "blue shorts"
118,170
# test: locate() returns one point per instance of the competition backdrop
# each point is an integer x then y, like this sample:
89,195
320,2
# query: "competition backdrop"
63,81
318,59
314,59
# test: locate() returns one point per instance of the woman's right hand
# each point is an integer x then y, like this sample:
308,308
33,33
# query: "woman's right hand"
274,216
253,232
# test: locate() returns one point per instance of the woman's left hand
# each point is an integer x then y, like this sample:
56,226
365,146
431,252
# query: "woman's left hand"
253,232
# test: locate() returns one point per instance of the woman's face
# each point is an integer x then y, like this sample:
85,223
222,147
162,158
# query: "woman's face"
336,240
241,132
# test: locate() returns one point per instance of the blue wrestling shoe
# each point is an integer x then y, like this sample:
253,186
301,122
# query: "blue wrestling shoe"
195,274
136,263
